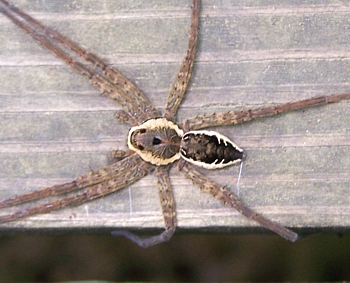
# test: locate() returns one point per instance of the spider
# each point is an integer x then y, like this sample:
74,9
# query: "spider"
155,141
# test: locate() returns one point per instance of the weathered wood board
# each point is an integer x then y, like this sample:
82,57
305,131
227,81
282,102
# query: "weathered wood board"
55,125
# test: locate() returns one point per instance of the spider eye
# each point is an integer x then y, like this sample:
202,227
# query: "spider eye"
142,131
156,141
140,147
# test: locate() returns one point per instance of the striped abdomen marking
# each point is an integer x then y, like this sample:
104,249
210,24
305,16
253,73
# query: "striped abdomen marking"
209,149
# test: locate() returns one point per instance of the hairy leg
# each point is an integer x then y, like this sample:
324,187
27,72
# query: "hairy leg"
93,185
54,190
244,115
112,83
120,154
123,116
231,200
169,213
179,86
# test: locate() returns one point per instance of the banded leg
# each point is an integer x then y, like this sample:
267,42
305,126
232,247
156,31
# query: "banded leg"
112,83
95,184
169,213
231,200
123,116
244,115
119,154
179,86
117,169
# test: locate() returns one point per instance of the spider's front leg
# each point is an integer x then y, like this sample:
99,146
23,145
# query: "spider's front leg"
231,200
109,81
168,207
92,185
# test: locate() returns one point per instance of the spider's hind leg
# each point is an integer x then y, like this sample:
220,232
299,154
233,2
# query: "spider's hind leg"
169,213
231,200
245,115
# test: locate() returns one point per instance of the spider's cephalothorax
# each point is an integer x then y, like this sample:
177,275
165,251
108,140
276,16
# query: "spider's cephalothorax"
161,142
157,141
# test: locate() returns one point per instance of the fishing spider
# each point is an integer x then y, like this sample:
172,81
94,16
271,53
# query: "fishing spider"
155,141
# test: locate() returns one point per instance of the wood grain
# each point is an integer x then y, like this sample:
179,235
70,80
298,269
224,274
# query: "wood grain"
55,125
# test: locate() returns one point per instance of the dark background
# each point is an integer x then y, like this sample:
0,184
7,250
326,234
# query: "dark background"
186,257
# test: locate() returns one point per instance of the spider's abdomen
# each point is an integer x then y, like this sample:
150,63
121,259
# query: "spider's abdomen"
157,141
209,149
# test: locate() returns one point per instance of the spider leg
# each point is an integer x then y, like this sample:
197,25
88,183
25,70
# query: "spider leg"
119,154
231,200
169,213
123,116
112,83
96,184
54,190
244,115
117,169
179,86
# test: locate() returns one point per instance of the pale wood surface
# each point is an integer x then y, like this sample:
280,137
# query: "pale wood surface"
55,125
